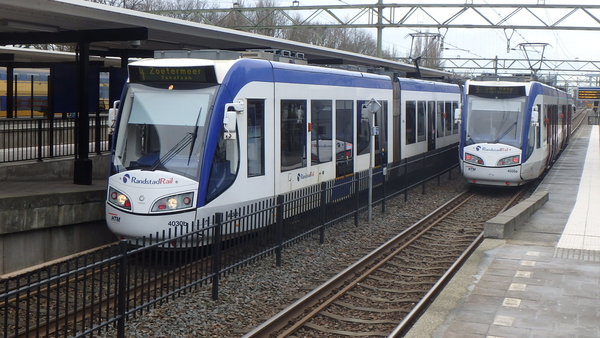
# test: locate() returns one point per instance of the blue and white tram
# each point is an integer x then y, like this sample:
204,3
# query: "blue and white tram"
194,137
511,131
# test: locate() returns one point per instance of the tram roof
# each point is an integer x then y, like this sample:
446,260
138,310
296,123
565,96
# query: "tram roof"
48,21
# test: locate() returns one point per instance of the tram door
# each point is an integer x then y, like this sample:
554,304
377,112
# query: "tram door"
344,122
430,125
323,146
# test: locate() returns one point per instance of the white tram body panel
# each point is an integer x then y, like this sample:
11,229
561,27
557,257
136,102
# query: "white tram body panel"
491,153
426,111
149,187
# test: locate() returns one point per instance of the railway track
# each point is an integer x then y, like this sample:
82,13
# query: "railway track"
383,293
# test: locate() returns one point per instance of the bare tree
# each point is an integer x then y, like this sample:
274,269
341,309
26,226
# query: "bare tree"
268,18
426,49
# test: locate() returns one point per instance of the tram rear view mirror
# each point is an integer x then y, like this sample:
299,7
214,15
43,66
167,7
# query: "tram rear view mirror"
535,116
229,118
112,116
457,115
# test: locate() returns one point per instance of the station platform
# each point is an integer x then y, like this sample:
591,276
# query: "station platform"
42,209
544,279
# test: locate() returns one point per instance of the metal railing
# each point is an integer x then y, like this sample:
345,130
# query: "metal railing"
24,139
98,291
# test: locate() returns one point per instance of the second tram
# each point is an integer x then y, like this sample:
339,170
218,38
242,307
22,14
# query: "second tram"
511,132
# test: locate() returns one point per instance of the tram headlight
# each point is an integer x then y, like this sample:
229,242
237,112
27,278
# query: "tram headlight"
119,199
174,203
511,160
470,158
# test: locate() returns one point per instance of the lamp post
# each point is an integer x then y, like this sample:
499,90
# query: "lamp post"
372,107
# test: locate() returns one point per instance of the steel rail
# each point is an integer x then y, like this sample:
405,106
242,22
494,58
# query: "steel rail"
422,305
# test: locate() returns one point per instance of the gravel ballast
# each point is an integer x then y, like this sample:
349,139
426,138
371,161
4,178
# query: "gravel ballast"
254,293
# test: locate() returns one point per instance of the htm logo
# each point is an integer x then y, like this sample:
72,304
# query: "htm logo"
114,218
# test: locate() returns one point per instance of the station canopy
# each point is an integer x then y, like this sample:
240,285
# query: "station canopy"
117,32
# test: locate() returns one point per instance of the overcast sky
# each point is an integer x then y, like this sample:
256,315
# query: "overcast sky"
489,43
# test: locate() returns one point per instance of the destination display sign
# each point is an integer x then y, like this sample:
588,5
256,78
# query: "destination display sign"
496,91
588,93
200,74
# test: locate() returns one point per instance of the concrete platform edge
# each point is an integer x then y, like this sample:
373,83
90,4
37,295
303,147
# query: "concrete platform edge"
51,210
512,219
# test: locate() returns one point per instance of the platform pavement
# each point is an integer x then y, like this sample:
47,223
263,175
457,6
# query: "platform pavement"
542,281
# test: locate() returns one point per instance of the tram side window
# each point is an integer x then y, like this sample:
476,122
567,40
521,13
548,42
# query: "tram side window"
321,134
344,126
531,140
381,146
450,114
256,138
411,118
363,133
421,120
547,123
293,134
224,166
430,115
440,119
538,139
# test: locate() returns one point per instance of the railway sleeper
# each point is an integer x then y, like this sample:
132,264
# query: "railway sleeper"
346,333
373,288
358,320
381,300
466,240
440,262
42,311
369,309
384,280
411,260
411,275
419,246
419,268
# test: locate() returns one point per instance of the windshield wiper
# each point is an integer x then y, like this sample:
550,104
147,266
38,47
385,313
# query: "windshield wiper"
506,132
195,134
185,141
189,138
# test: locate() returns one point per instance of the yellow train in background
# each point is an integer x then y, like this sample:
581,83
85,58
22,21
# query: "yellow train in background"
30,92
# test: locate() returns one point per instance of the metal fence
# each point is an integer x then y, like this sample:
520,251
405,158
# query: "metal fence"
98,291
23,139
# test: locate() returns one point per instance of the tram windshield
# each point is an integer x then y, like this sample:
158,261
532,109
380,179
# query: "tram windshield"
491,120
162,129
